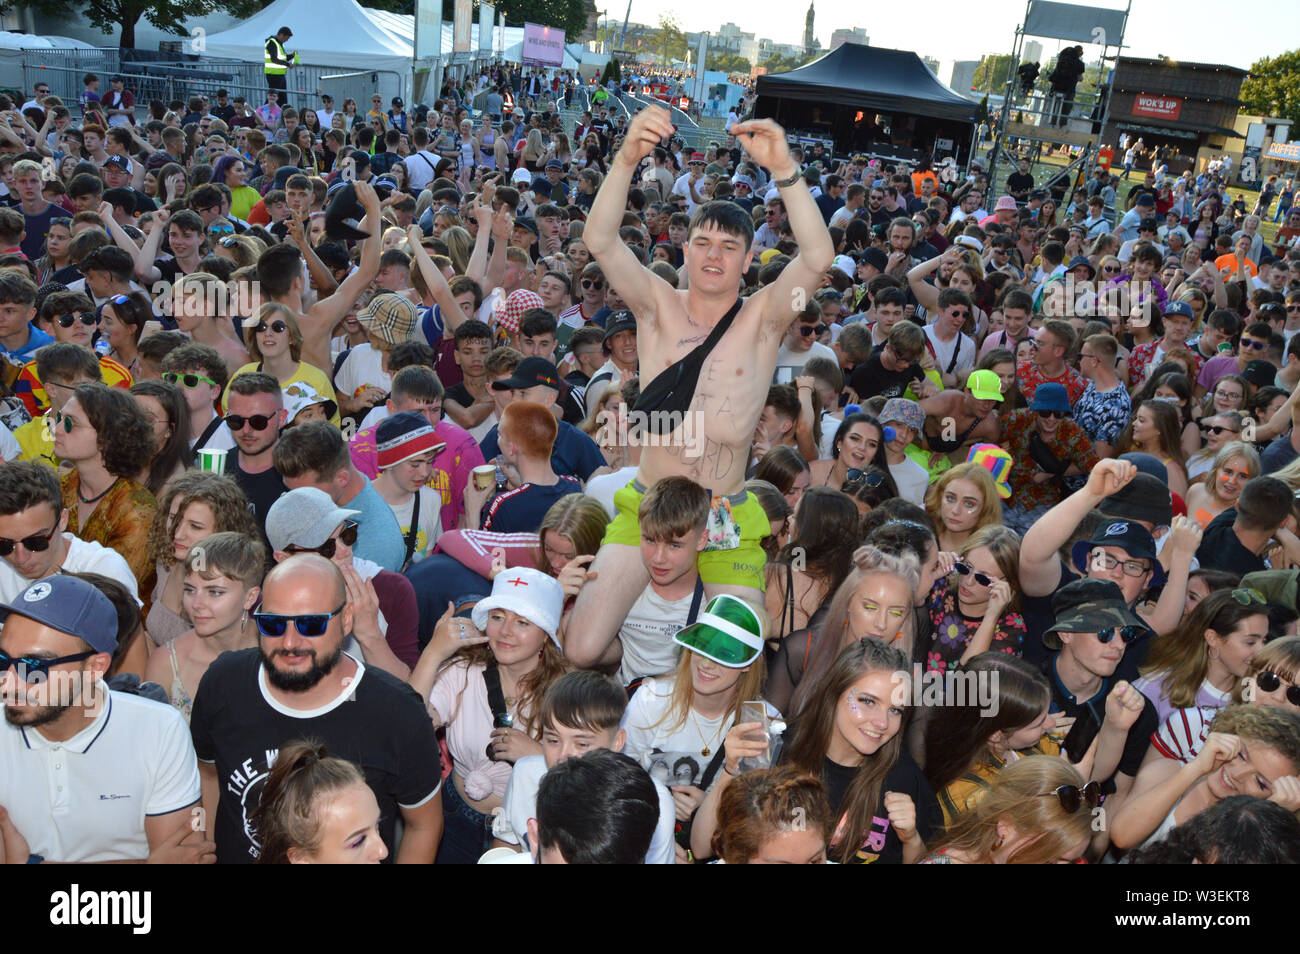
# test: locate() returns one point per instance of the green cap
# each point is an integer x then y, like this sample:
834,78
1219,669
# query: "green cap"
728,631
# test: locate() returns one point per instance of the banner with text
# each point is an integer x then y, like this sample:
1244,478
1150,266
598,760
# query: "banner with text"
1157,107
460,35
543,45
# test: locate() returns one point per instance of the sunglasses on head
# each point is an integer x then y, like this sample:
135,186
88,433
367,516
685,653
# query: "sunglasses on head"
67,321
311,625
348,536
1126,633
1072,797
983,579
119,299
36,543
258,422
278,326
1059,415
188,380
1270,681
33,670
1245,596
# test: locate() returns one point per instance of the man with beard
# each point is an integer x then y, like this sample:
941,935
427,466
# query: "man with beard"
86,774
299,683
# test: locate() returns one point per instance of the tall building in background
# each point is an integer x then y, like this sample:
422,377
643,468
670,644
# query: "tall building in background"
855,35
808,41
1032,52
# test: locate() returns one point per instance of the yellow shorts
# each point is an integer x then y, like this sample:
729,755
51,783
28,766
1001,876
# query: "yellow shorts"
742,566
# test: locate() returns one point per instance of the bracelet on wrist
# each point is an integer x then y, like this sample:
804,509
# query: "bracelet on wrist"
789,180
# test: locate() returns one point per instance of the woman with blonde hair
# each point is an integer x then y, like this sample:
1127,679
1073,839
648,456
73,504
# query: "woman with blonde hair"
222,583
194,505
1038,811
1201,661
459,245
1221,486
533,153
874,602
275,345
976,609
963,500
1251,750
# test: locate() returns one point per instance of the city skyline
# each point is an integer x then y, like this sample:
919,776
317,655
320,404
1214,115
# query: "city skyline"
1200,33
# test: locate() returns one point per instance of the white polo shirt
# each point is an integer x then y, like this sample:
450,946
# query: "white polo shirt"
84,556
86,799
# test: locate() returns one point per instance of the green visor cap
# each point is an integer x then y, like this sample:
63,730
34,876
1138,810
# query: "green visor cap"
728,631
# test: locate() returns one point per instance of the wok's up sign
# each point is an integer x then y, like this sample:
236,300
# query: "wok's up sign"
1159,107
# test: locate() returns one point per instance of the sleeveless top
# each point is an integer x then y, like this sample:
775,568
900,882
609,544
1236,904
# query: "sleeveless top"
180,699
162,624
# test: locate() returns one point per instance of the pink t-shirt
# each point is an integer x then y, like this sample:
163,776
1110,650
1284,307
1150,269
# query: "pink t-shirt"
451,467
460,697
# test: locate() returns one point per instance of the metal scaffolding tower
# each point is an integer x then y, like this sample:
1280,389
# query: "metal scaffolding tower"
1053,120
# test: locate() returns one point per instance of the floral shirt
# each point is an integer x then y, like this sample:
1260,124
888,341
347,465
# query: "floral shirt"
120,522
953,630
1103,416
1031,376
1069,443
1142,360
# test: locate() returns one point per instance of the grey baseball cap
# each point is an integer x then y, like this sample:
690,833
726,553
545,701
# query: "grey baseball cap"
71,606
305,518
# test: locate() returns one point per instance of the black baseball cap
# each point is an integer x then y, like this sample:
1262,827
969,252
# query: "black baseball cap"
530,373
1133,538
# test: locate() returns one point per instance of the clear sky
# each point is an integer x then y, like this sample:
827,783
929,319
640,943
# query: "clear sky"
1206,31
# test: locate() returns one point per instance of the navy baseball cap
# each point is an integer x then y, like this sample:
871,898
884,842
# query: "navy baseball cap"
1180,308
1133,538
71,606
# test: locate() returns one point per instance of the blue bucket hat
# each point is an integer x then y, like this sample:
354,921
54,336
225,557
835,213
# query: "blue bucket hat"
1051,397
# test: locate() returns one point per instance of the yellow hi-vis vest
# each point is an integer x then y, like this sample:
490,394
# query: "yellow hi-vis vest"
275,59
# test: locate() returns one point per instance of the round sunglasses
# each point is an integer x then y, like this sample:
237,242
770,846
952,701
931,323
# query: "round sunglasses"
258,422
347,536
67,321
278,326
1270,682
1072,797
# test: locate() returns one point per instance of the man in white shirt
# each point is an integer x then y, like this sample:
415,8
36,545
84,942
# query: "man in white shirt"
87,774
325,111
33,543
801,344
906,419
687,184
954,353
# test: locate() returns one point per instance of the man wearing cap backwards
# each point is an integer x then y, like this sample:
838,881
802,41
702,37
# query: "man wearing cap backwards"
957,420
1122,551
295,686
86,774
733,377
1047,447
1092,627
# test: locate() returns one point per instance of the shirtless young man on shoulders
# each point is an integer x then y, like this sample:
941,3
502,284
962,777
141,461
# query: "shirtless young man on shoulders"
718,425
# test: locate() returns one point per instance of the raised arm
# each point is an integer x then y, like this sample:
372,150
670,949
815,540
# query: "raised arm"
635,283
437,284
765,142
926,294
1040,570
333,308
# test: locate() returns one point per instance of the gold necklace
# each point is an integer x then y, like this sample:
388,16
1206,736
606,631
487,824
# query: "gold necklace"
705,751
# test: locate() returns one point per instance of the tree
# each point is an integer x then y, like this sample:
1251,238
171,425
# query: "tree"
982,110
569,15
725,62
780,63
669,42
108,15
993,72
1273,87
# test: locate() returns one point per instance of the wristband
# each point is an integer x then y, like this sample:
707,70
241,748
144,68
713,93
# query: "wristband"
783,183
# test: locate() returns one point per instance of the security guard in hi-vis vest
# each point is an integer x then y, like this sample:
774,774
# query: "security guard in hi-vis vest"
277,60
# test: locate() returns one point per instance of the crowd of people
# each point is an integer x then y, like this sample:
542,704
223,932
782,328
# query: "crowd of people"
655,505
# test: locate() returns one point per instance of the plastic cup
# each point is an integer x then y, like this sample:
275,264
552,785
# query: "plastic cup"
485,476
213,460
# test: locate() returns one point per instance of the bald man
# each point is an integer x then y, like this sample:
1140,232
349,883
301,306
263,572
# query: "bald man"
300,683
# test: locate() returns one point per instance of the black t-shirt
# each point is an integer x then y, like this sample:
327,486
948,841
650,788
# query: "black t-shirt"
871,378
1090,713
379,723
262,490
460,394
882,844
1220,548
1019,183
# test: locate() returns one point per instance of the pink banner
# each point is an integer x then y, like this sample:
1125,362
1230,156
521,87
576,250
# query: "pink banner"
543,45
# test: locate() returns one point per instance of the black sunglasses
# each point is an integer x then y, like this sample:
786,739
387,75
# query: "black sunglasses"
348,537
1215,429
278,326
965,569
596,285
1126,633
36,543
67,321
31,669
1270,681
311,625
1072,796
257,421
807,330
1060,415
